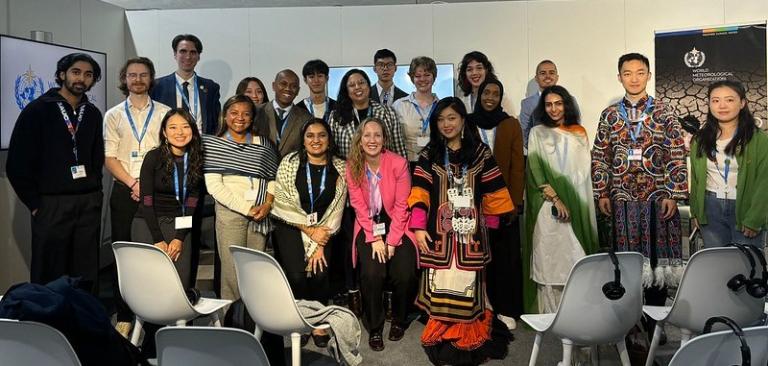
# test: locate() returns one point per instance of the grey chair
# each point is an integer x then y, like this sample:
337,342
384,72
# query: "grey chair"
31,343
203,346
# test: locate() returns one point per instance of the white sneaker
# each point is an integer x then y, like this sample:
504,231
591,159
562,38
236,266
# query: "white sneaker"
508,321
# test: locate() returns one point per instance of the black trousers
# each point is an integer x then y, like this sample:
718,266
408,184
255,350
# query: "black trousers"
400,270
503,274
122,210
289,252
66,232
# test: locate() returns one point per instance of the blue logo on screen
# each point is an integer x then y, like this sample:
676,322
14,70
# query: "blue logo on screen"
27,88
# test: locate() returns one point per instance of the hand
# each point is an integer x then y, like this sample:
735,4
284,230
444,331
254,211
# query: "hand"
260,212
391,251
321,235
668,208
562,211
174,249
548,192
135,193
749,233
379,249
604,204
317,261
422,240
162,245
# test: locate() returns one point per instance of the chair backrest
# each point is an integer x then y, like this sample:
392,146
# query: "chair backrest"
203,346
703,291
585,315
150,284
266,293
723,348
31,343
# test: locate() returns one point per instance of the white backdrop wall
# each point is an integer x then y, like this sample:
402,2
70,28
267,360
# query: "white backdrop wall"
584,37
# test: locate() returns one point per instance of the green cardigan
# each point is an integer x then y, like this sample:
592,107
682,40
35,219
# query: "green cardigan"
751,184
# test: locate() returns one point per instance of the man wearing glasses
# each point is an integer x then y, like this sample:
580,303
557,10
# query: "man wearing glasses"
385,66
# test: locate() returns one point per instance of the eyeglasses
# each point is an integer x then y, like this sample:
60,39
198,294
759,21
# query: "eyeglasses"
385,65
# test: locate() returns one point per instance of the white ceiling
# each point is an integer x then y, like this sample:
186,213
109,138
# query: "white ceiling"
214,4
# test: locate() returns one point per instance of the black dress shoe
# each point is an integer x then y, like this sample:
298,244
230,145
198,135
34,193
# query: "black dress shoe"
396,332
321,341
355,303
304,339
376,341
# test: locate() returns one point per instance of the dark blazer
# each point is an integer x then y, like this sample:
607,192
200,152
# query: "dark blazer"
266,125
164,92
399,93
331,107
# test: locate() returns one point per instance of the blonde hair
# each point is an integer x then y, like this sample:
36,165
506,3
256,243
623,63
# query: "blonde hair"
356,157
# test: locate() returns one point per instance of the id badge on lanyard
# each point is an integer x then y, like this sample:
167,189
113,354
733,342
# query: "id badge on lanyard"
77,170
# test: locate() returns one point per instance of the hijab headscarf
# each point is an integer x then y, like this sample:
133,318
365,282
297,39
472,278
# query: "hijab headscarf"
485,119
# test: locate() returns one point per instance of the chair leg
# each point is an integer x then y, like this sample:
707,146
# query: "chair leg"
257,333
216,319
654,343
138,324
535,350
295,349
567,351
621,346
594,359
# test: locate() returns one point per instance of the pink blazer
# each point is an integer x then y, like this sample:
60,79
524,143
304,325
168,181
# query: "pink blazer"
395,187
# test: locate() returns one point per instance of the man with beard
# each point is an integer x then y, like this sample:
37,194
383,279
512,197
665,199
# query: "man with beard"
131,129
55,162
278,120
385,66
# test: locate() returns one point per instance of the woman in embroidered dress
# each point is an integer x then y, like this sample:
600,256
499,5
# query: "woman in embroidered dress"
458,191
561,225
309,192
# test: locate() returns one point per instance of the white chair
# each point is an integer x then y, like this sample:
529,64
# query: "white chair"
203,346
723,348
31,343
585,316
703,293
267,296
151,287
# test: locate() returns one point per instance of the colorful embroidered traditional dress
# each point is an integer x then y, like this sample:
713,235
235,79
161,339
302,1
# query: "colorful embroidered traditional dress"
452,287
558,157
638,159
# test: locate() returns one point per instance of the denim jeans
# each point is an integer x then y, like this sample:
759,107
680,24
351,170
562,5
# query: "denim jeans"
720,229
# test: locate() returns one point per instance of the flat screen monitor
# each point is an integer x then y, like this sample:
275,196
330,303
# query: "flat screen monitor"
27,71
443,86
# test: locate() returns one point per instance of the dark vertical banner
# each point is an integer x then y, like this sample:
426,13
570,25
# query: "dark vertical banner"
688,61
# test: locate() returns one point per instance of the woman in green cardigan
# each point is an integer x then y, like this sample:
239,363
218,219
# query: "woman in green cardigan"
729,171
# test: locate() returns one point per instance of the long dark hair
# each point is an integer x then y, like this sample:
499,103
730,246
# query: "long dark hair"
707,136
436,147
344,105
240,98
570,112
480,57
329,154
194,149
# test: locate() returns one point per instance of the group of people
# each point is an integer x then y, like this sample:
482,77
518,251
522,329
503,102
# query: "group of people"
420,196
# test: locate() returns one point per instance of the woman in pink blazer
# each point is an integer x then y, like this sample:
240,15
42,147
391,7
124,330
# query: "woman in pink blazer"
379,184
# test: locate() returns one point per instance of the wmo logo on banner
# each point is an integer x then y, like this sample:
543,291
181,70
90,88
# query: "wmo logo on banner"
694,58
27,88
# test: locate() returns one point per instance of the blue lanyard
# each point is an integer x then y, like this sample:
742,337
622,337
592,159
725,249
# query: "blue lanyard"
485,138
309,104
72,129
144,129
424,121
448,168
309,187
248,138
192,111
183,196
623,114
284,121
727,169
